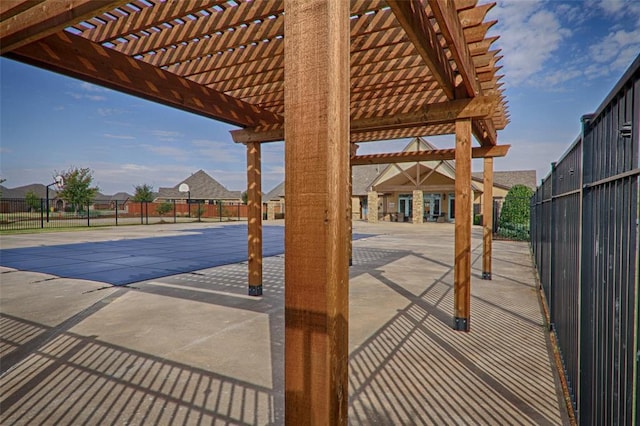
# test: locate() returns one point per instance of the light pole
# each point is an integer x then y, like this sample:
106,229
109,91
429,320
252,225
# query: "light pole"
59,183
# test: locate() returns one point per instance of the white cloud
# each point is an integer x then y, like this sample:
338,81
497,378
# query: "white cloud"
220,152
108,112
88,87
616,51
167,151
79,96
530,36
111,136
167,135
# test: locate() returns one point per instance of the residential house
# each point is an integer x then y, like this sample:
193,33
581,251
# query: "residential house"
201,188
393,188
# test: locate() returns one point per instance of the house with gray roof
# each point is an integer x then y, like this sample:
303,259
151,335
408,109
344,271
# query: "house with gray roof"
395,185
508,179
202,187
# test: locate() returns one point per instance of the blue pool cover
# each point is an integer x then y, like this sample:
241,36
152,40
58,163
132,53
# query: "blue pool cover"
127,261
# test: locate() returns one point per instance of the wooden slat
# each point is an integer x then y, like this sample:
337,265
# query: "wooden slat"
77,57
254,218
229,58
316,223
481,47
230,17
254,32
475,16
270,76
415,22
418,87
487,217
431,155
477,34
462,251
46,18
246,69
147,17
9,8
432,130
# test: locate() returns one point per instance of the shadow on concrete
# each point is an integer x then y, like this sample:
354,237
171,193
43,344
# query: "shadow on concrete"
74,379
416,370
413,370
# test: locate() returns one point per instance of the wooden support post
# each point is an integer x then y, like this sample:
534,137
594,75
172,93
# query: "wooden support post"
350,233
316,95
462,267
487,218
254,218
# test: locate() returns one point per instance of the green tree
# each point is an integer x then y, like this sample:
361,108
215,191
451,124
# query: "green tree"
514,216
164,208
77,189
1,182
33,201
143,192
245,197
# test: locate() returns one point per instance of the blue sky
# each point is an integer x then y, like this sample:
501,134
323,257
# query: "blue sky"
561,59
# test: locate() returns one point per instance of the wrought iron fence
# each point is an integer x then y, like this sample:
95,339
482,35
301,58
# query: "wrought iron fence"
584,237
32,213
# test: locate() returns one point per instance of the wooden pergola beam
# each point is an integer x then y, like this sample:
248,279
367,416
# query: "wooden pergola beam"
431,155
446,112
77,57
415,22
447,17
25,23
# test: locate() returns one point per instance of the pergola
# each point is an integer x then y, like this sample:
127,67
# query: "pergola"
321,75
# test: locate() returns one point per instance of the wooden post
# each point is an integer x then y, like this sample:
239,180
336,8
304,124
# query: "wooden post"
350,233
487,218
316,94
462,267
254,218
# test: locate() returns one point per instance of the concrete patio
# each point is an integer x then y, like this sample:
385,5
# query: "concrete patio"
195,349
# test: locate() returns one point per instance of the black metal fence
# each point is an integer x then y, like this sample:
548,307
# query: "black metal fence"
32,213
584,236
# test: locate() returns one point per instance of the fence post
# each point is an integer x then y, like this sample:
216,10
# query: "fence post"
146,211
42,206
219,210
116,212
552,238
174,212
88,215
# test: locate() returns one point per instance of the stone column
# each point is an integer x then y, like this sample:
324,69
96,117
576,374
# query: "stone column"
271,210
418,206
372,207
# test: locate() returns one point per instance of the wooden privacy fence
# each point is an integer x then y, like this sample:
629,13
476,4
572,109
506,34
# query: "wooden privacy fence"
584,236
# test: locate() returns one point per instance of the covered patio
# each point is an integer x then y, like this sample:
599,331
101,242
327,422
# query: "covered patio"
330,75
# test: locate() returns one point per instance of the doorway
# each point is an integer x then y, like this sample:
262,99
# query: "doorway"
405,206
432,207
452,206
